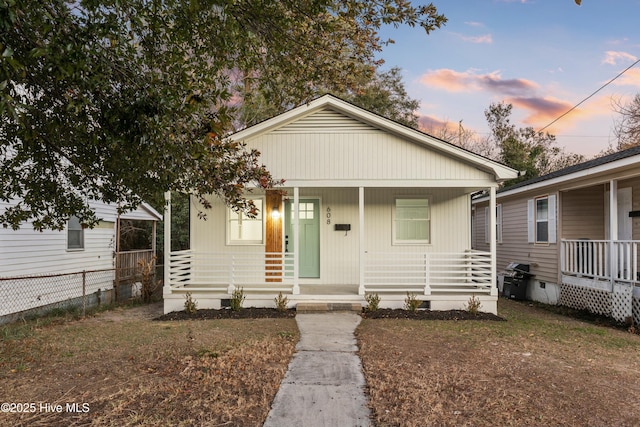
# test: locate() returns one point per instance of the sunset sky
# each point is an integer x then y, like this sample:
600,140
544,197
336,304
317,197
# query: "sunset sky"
541,56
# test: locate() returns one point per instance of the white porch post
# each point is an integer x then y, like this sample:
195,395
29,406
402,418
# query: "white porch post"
613,230
361,288
167,242
296,241
492,239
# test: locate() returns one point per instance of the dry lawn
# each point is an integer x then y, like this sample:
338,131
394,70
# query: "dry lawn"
129,370
536,369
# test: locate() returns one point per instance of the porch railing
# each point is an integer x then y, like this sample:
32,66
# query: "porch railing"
428,273
600,259
225,271
424,273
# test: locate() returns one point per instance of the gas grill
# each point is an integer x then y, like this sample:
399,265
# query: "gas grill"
516,279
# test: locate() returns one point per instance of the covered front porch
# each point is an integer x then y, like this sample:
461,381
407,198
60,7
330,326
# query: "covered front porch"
354,262
445,280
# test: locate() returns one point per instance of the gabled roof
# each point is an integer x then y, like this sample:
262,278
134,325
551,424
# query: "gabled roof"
500,171
143,212
603,164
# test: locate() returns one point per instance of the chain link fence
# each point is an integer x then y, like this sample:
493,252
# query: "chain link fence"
26,296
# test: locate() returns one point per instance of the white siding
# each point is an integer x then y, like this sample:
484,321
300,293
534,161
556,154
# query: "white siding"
330,146
26,251
339,251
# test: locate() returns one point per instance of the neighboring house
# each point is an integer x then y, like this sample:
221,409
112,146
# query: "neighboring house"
579,230
54,260
383,209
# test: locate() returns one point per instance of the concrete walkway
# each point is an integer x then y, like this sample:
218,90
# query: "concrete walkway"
324,385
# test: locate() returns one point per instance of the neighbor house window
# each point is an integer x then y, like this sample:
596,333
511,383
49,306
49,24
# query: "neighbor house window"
541,219
498,224
75,234
412,221
244,230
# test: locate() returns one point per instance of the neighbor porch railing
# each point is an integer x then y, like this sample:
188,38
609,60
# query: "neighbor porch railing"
428,273
223,272
600,259
128,265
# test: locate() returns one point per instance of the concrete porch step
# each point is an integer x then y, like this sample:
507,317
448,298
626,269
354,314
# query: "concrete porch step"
322,307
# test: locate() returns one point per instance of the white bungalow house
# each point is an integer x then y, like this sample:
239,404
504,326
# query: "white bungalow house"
579,230
382,208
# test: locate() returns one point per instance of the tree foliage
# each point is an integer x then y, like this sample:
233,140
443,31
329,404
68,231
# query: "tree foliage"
386,95
628,127
116,100
524,149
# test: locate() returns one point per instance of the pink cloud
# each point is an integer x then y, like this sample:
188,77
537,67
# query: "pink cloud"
487,38
613,57
455,81
541,110
430,124
630,78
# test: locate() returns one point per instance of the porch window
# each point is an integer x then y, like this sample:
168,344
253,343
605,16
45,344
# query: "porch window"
243,230
75,234
412,221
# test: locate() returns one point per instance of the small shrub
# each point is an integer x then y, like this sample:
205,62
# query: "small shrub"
237,298
190,306
149,286
411,303
373,301
281,302
474,306
285,335
208,353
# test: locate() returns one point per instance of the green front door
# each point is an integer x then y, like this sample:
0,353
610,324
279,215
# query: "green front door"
309,225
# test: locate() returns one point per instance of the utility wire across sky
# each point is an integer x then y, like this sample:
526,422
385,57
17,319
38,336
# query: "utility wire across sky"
585,99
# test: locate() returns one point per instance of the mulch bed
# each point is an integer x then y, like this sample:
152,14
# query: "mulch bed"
429,315
261,313
227,313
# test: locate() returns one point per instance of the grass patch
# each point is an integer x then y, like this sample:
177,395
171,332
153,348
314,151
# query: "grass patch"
537,368
140,372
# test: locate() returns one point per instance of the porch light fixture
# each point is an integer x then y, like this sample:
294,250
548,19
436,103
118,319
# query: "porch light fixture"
275,213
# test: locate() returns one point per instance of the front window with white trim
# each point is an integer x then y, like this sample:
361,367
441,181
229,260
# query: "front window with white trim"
412,221
244,230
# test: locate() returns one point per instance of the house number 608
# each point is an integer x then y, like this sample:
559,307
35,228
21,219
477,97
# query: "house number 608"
328,215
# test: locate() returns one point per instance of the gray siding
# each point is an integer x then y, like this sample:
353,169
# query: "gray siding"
543,258
582,213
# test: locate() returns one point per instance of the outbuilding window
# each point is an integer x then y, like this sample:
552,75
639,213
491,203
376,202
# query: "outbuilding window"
75,234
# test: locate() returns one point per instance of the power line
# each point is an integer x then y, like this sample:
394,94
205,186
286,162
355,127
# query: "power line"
598,90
